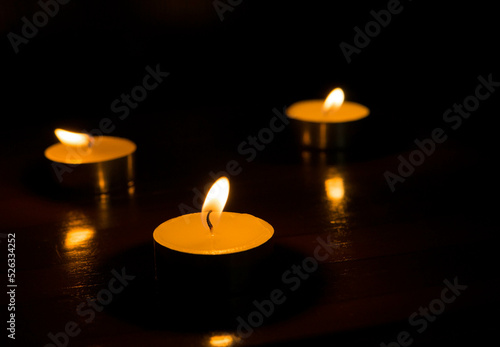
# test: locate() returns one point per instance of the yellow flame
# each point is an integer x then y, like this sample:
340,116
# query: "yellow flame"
214,203
73,139
222,340
333,101
334,188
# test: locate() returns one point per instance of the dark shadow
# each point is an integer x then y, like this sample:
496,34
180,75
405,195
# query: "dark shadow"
145,303
37,177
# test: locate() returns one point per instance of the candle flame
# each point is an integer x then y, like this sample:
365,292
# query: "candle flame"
214,203
73,139
333,101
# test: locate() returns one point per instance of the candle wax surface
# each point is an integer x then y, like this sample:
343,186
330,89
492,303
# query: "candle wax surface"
312,111
235,232
105,148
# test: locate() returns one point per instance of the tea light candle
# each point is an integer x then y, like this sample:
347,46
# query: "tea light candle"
101,164
225,246
329,123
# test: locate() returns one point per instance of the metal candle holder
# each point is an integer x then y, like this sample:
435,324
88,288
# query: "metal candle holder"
111,167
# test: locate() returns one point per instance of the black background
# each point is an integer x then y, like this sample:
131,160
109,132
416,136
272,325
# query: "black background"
262,55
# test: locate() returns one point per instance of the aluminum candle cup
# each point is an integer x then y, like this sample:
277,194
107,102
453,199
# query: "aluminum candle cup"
227,262
106,166
316,128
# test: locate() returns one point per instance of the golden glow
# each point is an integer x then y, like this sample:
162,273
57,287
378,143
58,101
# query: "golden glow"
335,188
73,139
78,247
333,101
306,137
78,236
102,181
226,340
79,231
214,202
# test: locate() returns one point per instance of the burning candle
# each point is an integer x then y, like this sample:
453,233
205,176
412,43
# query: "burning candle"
213,231
101,164
225,246
329,123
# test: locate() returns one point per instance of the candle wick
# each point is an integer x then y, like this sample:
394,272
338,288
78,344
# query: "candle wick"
91,142
210,226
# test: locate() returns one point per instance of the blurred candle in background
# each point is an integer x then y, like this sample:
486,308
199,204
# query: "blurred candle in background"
326,124
92,164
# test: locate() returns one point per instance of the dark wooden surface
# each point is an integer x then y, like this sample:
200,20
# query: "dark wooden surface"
391,251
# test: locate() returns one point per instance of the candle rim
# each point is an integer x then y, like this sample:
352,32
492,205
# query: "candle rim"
255,242
53,150
315,112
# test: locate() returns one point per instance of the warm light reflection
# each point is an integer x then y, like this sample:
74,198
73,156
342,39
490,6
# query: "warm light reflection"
337,197
78,232
214,203
226,340
333,101
73,139
78,247
102,181
78,237
306,137
335,188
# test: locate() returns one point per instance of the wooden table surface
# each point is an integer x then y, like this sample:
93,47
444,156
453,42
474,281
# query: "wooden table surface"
392,253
